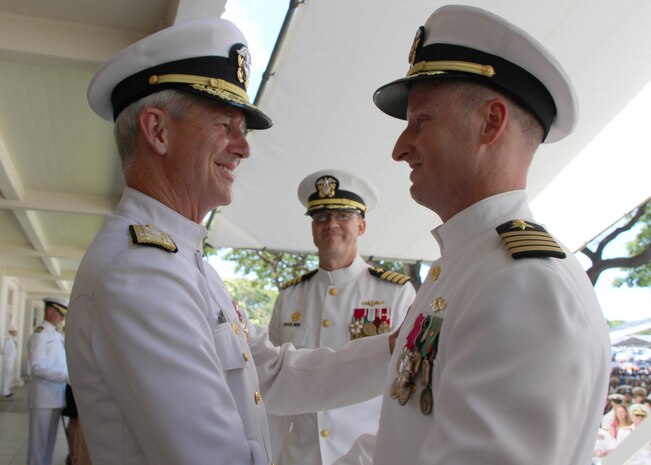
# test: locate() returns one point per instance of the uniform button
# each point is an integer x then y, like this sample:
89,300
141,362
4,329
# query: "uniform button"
236,329
258,398
332,291
434,273
325,433
246,356
326,323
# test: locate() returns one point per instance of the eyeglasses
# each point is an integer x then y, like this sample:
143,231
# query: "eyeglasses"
339,217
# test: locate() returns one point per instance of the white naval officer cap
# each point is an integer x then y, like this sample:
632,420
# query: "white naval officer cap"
638,409
207,57
59,303
464,42
336,190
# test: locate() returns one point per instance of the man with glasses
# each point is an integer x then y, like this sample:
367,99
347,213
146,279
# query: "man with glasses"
344,299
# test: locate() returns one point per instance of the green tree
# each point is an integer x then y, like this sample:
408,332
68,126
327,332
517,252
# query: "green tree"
275,268
638,262
253,297
270,268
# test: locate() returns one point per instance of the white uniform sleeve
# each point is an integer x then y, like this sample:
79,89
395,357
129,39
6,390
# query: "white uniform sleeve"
501,397
38,361
156,352
297,381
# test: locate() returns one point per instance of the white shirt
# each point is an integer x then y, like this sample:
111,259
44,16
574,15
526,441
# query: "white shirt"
160,363
317,312
523,358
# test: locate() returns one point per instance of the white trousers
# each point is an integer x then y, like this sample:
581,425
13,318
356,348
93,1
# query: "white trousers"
7,374
43,425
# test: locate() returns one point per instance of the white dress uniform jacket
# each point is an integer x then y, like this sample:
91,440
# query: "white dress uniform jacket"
317,313
523,356
162,363
47,362
8,358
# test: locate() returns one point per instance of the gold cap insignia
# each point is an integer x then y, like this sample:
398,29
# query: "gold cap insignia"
415,45
326,186
243,65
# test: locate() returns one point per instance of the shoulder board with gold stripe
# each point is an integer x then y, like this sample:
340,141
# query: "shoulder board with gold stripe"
298,279
146,234
39,329
391,276
525,239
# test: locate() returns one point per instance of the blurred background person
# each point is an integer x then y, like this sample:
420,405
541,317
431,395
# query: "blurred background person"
46,396
9,357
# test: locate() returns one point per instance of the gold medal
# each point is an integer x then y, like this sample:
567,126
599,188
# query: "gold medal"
395,387
416,359
425,370
402,359
405,393
369,329
426,401
384,327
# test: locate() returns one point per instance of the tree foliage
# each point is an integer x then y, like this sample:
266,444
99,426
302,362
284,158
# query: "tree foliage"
254,298
638,262
274,268
270,268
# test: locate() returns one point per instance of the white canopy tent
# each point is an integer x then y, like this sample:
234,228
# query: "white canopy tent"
338,52
59,173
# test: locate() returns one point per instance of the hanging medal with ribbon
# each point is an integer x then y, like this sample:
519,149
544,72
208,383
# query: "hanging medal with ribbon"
409,362
428,351
416,360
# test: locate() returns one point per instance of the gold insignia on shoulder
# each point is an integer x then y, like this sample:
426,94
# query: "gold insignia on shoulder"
528,240
39,329
146,234
391,276
520,224
298,279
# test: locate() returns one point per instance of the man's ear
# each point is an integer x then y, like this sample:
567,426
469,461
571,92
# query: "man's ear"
153,123
496,116
361,227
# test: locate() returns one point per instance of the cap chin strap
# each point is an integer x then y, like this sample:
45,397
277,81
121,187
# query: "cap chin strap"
203,83
450,65
335,203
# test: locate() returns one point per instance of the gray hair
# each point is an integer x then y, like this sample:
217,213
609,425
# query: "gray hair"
125,130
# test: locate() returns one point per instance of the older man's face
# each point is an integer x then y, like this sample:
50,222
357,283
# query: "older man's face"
206,146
